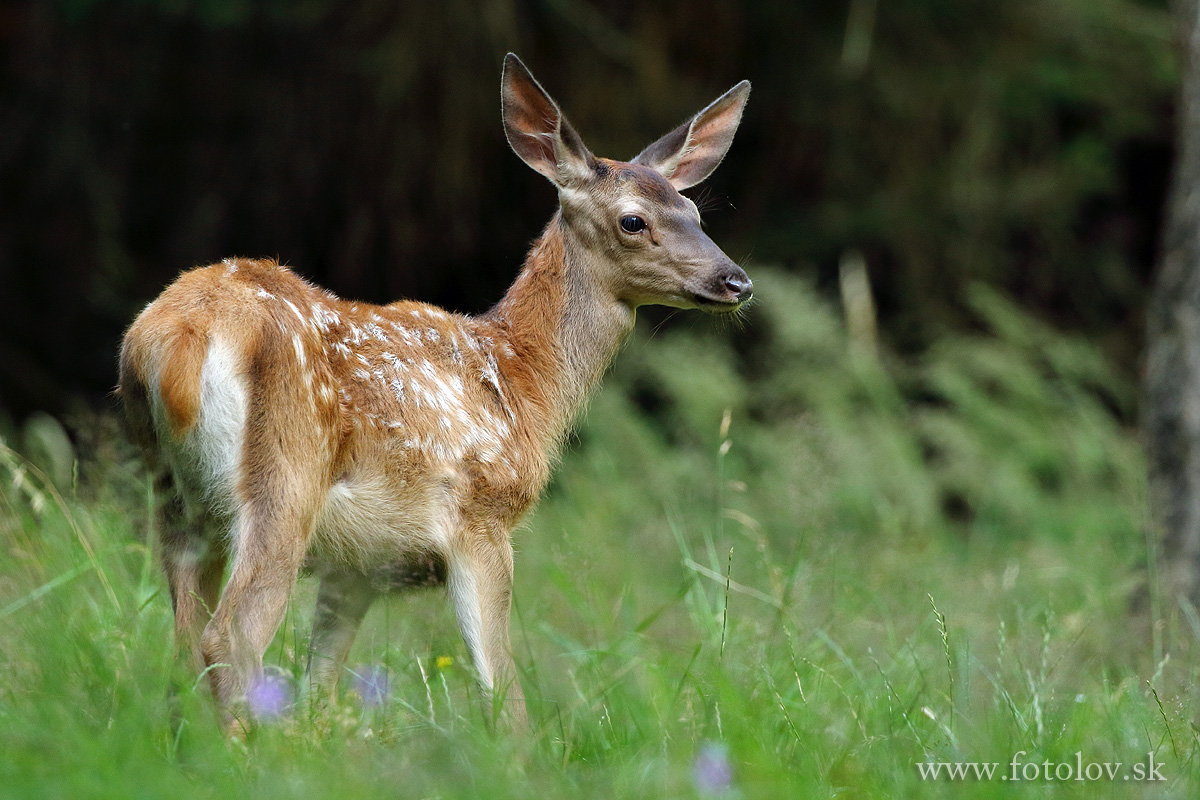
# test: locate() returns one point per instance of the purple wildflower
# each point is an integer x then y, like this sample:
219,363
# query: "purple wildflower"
711,771
372,686
269,695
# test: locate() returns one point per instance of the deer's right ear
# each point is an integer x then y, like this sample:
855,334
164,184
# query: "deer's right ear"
689,154
537,131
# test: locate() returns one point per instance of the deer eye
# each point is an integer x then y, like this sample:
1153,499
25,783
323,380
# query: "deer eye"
633,224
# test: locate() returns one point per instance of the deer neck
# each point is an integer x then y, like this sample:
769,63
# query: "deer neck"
565,327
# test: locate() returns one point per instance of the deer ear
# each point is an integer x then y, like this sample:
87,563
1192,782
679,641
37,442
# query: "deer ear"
689,154
537,131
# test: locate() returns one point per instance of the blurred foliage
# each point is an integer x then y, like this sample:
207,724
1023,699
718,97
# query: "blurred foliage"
1021,144
1010,434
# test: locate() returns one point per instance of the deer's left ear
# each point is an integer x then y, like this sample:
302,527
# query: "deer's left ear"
689,154
537,131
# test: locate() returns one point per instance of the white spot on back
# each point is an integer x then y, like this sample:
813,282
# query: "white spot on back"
324,318
299,347
295,310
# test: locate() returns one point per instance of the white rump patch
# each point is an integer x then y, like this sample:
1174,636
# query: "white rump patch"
222,421
208,458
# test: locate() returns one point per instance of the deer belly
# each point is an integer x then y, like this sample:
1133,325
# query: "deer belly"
397,534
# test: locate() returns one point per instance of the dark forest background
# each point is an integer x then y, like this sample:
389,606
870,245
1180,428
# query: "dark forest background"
1024,144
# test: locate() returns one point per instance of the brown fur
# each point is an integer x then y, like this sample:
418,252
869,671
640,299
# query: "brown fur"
398,445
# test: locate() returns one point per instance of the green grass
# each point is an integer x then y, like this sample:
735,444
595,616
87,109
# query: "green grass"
765,550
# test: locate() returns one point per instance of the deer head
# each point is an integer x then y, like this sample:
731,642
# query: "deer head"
642,238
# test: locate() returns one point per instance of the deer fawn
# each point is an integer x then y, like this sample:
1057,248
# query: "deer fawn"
391,446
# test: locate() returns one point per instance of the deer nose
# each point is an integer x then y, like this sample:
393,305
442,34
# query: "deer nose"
740,286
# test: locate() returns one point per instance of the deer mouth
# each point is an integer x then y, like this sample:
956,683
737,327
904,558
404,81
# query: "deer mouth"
717,305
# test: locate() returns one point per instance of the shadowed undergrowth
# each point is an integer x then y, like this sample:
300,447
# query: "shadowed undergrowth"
772,563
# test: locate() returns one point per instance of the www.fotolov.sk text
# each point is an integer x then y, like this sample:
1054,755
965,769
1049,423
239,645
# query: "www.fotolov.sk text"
1018,769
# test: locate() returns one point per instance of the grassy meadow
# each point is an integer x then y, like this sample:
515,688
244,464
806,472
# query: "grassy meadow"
775,562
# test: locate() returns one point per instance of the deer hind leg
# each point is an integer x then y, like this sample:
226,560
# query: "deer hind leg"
269,539
281,479
194,563
192,552
480,581
342,601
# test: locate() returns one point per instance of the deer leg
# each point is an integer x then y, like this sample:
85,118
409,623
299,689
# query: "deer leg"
269,541
480,581
278,487
194,579
194,566
342,601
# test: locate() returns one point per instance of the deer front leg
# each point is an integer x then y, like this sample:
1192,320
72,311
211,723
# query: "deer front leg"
480,582
342,601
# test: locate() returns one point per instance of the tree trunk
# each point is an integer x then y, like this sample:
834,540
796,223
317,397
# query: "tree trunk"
1171,392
